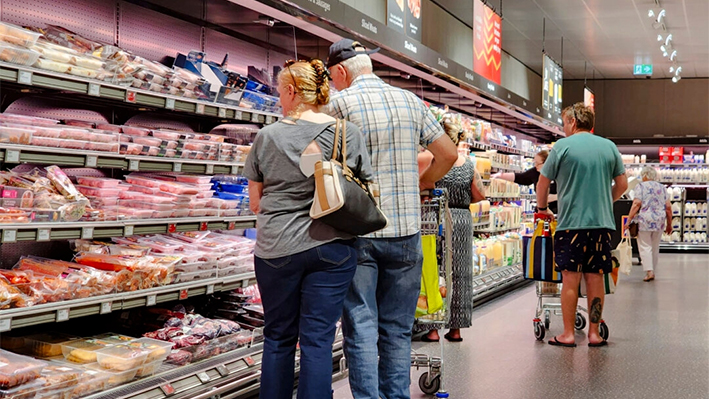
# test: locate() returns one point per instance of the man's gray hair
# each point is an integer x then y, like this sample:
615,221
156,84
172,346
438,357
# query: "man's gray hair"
358,65
649,173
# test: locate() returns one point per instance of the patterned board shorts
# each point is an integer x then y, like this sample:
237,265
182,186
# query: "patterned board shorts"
585,251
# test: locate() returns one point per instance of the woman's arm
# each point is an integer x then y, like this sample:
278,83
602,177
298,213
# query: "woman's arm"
509,176
477,190
668,215
637,205
255,195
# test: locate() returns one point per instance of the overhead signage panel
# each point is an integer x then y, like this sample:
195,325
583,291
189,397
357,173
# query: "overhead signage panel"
487,43
332,10
413,19
552,82
396,15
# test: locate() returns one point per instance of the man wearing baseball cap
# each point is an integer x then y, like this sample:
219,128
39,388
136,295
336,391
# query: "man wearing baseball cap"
380,306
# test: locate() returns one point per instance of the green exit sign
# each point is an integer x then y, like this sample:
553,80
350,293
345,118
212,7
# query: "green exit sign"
642,69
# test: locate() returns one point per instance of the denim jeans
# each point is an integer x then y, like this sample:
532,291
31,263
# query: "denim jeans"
302,298
379,315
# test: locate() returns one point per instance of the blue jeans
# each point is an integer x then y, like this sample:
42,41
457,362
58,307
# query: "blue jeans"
379,315
302,298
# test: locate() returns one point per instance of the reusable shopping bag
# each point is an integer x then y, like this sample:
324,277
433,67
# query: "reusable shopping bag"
624,253
430,299
610,280
538,255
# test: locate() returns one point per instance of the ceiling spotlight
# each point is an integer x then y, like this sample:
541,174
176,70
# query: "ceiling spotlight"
676,79
678,71
672,69
663,48
669,38
664,54
673,55
650,13
659,38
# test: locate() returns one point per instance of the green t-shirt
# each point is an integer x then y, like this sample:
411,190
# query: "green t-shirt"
584,166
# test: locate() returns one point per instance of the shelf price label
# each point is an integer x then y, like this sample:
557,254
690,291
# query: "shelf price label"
184,294
235,169
222,370
94,89
200,109
171,228
209,169
130,96
12,156
133,164
204,377
151,300
177,167
170,103
9,236
250,361
254,117
245,283
128,231
87,233
231,225
210,289
24,77
5,325
269,119
91,161
43,235
238,115
221,113
167,389
106,307
203,226
62,315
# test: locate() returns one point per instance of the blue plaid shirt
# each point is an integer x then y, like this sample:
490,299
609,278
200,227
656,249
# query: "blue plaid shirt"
394,122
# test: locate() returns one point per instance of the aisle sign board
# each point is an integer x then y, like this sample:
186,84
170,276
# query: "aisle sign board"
413,19
552,81
396,17
487,43
642,69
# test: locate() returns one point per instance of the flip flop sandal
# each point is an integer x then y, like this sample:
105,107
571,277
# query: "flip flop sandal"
451,339
425,338
598,345
646,279
555,342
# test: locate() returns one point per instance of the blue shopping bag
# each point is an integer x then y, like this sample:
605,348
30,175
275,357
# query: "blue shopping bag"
538,255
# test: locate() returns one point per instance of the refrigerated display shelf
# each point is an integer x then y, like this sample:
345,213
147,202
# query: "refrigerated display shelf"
500,148
656,164
122,228
15,154
103,304
684,246
491,282
496,231
500,168
531,197
502,198
28,76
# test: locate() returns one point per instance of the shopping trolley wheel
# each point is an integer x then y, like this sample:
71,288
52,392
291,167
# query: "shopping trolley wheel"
580,322
432,387
539,330
603,330
547,319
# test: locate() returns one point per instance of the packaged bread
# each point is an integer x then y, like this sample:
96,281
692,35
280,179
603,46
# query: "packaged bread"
121,357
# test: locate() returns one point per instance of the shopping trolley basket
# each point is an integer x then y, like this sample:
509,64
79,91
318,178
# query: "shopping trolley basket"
552,289
436,221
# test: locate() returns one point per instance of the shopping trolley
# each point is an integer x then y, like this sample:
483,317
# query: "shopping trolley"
436,221
546,290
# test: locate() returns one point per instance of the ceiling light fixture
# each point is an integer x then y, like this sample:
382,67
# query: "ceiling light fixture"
676,79
668,40
678,71
673,55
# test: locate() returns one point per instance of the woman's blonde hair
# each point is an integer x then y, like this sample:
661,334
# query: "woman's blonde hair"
543,154
454,131
310,80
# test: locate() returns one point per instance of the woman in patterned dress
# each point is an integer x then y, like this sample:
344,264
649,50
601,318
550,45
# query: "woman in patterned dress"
464,186
654,214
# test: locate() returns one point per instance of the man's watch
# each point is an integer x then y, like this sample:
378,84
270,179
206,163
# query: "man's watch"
539,208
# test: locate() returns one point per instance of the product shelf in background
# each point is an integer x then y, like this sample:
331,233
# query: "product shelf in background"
500,148
495,280
34,77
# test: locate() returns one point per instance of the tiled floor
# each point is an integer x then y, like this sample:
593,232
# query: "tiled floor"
659,345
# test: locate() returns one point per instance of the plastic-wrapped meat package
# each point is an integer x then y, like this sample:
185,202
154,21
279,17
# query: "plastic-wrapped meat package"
183,341
148,141
179,357
167,135
48,289
27,120
208,330
143,181
228,327
62,182
110,262
130,149
12,295
192,236
79,123
178,188
135,131
109,127
174,322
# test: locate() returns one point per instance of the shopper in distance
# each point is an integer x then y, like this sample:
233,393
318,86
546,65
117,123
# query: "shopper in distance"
652,211
590,176
304,267
531,177
387,283
464,186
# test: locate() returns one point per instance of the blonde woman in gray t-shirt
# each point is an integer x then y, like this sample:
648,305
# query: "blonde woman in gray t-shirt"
303,266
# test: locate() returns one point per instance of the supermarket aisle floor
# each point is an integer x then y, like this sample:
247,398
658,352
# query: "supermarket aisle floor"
659,345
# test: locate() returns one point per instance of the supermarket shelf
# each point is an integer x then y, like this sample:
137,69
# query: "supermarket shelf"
685,246
494,198
10,153
674,165
495,280
121,228
686,184
500,148
235,374
531,197
28,76
496,231
103,304
506,169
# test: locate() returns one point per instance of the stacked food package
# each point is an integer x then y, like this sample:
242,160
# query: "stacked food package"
503,189
498,251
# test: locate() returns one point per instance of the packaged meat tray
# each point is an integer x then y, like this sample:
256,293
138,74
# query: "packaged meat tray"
97,137
15,136
198,203
83,351
162,214
17,55
157,351
110,262
50,393
47,344
152,206
143,181
167,135
191,236
120,357
58,377
198,212
16,35
45,142
178,188
186,277
108,127
211,212
73,144
28,120
131,213
90,381
130,149
205,194
135,131
14,216
24,391
69,133
193,179
149,369
194,267
17,369
106,147
41,131
115,378
160,246
100,182
98,192
181,213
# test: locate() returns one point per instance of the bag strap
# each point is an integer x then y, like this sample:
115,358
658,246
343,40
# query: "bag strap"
336,141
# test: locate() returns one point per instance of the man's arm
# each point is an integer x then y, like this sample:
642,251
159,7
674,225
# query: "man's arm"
255,195
444,156
621,184
543,194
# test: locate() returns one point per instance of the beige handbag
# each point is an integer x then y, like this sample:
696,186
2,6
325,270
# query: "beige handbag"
341,200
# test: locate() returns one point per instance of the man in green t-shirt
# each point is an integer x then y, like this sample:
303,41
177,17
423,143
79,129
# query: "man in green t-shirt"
584,167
